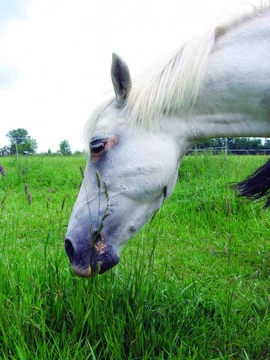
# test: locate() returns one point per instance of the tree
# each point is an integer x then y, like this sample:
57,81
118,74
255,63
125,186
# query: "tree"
267,144
241,143
4,151
21,142
212,143
64,148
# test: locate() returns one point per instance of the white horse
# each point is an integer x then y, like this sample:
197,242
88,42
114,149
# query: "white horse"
216,85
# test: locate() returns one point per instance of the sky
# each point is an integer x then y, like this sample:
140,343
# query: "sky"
55,56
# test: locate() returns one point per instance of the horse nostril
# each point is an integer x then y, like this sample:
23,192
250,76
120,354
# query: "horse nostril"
69,249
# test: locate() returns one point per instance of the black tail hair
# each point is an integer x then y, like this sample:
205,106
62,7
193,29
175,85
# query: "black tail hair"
257,185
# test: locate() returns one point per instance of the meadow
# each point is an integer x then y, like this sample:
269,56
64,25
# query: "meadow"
193,284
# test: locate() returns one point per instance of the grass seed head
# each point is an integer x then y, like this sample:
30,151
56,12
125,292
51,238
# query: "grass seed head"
2,170
82,172
29,198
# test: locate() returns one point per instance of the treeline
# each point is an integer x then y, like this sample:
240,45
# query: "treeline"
21,143
240,145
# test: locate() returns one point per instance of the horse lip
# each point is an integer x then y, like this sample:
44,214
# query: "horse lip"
107,261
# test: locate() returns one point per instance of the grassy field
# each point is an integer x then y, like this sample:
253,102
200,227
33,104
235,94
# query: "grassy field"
193,284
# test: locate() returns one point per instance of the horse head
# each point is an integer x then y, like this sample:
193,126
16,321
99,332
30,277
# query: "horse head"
128,175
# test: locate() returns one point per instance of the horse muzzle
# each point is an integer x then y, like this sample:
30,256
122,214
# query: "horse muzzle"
90,258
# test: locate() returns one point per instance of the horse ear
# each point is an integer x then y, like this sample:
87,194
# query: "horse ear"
120,78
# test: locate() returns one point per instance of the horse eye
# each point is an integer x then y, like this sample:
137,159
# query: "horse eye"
97,148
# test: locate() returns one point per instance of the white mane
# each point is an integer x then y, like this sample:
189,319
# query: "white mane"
174,85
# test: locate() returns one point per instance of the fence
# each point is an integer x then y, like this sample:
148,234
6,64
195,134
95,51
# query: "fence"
216,151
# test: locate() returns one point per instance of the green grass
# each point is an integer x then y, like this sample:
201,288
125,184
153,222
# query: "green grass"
193,284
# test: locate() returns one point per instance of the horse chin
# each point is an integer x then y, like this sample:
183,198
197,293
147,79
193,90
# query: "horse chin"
107,260
82,272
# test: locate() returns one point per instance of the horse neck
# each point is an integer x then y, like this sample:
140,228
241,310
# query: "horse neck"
235,94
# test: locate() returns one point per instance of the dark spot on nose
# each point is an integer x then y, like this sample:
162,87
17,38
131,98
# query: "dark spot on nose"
165,191
132,229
